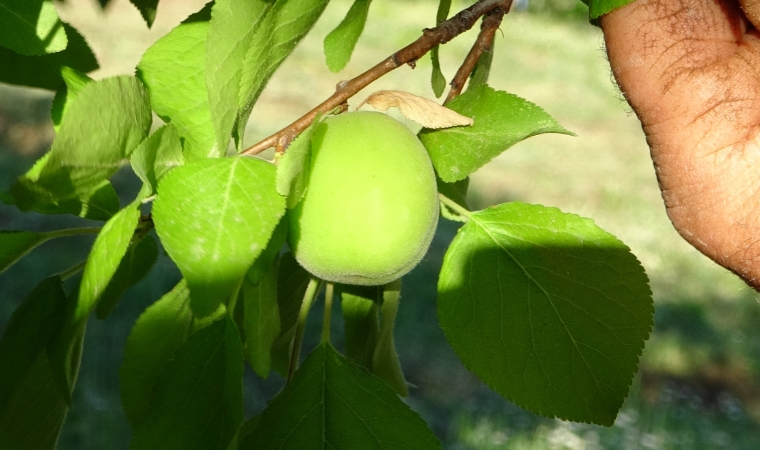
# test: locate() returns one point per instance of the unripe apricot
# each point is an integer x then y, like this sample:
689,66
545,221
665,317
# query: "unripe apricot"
371,206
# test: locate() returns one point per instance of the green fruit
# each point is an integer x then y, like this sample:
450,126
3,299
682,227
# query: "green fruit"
371,206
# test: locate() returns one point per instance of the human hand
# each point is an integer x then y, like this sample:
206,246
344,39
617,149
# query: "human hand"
691,71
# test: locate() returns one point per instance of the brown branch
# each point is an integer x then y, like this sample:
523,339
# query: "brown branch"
488,28
443,33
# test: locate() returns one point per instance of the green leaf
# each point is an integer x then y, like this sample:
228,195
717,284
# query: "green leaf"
598,8
204,15
158,154
214,217
105,260
173,70
264,261
32,405
107,252
437,80
103,125
547,309
158,333
198,400
292,280
31,27
27,335
369,340
7,198
361,321
340,43
333,403
294,167
35,424
385,363
261,319
133,267
64,350
501,120
285,24
75,81
14,245
147,9
248,427
45,71
230,33
99,204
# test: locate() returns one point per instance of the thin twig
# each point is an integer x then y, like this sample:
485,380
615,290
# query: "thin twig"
488,28
443,33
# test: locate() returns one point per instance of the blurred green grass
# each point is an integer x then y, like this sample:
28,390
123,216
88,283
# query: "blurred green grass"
699,383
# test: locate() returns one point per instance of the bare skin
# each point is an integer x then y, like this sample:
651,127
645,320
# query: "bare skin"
691,71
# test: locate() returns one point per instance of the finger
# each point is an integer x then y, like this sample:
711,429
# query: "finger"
752,10
653,43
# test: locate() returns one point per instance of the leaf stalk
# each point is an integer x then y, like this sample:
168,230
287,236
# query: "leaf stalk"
72,232
73,270
328,313
454,206
308,299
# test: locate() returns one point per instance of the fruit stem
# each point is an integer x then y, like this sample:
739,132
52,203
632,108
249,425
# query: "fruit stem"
308,299
454,206
328,313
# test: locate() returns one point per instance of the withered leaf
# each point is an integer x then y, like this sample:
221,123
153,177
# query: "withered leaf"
425,112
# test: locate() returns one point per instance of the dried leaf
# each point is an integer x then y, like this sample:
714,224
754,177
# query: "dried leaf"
425,112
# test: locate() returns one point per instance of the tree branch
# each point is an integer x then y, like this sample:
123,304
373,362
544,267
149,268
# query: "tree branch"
431,37
488,28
